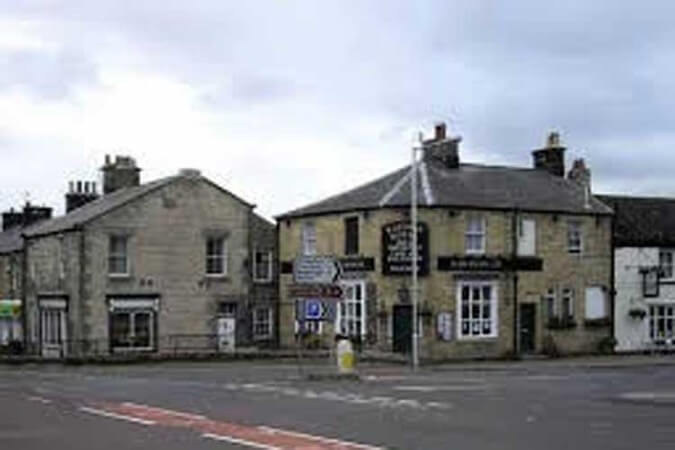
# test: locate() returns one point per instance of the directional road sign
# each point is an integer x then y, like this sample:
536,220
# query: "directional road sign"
315,290
313,269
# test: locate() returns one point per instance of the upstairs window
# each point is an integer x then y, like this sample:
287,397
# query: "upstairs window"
527,237
308,238
118,261
216,256
475,235
574,237
352,236
262,266
666,263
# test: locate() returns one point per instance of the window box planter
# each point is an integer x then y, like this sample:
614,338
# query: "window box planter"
597,323
561,323
637,313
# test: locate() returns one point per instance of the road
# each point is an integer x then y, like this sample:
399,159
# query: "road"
240,405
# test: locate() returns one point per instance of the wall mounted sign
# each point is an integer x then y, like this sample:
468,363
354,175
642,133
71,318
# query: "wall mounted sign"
397,248
357,264
444,326
484,263
315,290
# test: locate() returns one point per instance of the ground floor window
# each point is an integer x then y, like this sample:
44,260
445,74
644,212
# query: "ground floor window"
262,323
477,305
132,329
661,322
350,318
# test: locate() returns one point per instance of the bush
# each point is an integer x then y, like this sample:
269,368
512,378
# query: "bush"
606,345
15,347
549,347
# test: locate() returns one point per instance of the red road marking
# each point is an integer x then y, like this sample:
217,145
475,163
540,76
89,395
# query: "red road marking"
254,436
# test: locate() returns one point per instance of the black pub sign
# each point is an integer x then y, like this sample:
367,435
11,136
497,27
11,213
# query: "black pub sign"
397,248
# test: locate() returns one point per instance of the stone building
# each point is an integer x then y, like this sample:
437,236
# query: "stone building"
11,268
644,245
178,264
512,260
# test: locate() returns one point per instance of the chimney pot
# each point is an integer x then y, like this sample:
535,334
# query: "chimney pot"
79,187
93,187
440,131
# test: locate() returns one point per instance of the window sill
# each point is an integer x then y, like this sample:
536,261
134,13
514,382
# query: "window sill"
597,323
461,338
561,324
215,276
263,281
119,276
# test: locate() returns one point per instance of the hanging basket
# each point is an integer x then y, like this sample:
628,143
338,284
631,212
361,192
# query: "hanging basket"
637,313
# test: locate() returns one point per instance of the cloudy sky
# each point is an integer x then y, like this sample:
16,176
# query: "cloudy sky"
286,102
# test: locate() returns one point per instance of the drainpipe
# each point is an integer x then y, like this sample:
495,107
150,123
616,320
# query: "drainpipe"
612,280
23,288
514,254
81,288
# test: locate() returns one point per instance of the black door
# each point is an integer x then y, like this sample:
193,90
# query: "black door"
402,328
527,327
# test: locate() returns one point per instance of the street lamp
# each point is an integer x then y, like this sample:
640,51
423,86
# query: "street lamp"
413,218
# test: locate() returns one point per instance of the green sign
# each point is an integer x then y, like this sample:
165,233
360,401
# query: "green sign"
10,308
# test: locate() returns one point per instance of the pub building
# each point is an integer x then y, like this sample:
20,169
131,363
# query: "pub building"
511,260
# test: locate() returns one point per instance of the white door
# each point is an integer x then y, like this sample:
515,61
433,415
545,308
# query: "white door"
53,332
226,334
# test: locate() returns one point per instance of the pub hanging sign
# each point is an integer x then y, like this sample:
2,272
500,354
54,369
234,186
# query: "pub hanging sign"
397,248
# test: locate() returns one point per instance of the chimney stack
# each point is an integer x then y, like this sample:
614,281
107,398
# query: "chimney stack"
83,193
551,158
30,215
442,149
122,173
581,175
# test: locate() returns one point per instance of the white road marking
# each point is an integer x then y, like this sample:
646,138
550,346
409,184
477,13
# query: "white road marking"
648,396
221,437
100,412
183,415
34,398
440,388
318,438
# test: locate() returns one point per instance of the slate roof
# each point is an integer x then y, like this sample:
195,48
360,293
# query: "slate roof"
468,186
642,221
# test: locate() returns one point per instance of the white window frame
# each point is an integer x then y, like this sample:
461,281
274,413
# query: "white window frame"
262,317
605,306
268,277
472,231
132,328
666,267
523,250
308,238
118,255
668,318
567,304
351,310
551,302
214,256
494,312
575,237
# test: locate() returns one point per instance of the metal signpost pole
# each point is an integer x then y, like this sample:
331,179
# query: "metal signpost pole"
413,218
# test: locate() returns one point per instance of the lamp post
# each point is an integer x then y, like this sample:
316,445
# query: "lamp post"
413,226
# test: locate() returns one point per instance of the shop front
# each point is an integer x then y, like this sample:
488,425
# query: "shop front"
10,323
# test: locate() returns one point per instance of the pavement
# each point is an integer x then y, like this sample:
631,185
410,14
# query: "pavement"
584,403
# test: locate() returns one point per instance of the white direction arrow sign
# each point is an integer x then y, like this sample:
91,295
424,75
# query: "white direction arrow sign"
316,269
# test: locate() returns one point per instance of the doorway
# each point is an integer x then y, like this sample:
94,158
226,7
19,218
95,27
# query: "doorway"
402,325
527,320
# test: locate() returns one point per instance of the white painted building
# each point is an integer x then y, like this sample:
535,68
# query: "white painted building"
644,279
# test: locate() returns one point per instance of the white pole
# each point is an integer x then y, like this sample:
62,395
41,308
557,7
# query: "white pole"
413,218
